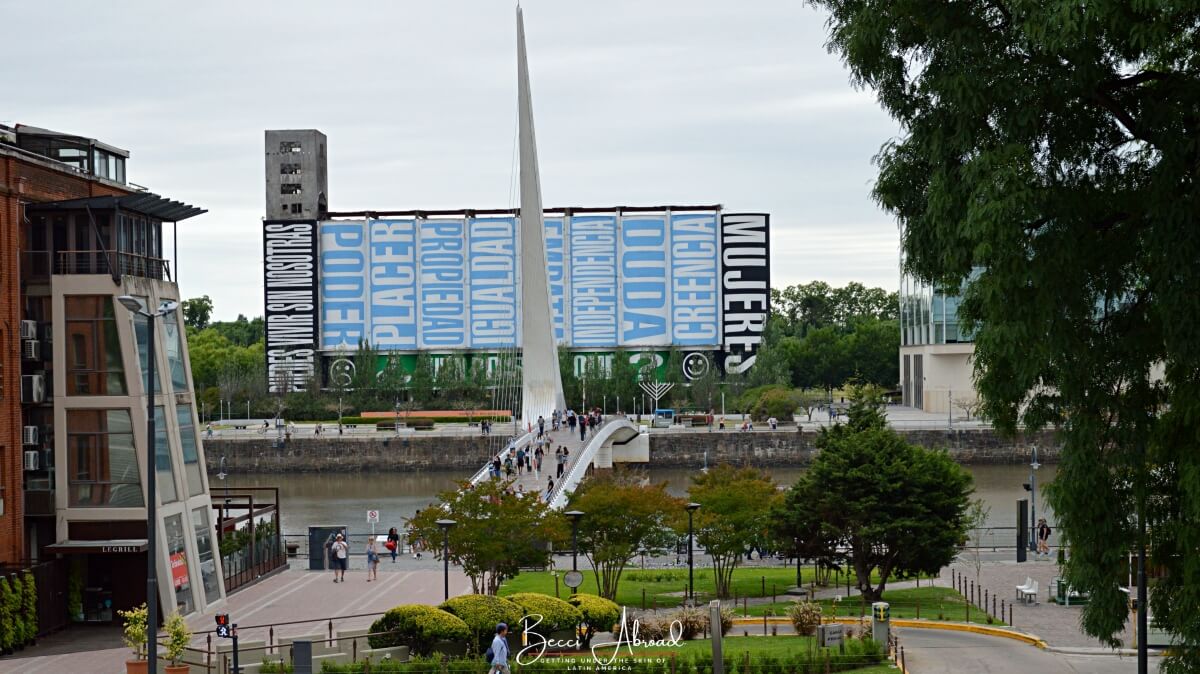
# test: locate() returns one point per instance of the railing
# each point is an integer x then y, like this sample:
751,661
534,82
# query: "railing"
105,262
247,565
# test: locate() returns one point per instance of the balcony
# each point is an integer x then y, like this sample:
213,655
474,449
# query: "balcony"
39,264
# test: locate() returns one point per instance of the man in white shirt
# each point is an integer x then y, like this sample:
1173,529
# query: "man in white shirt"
340,551
499,661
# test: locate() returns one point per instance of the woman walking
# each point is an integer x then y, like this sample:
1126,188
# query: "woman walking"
372,561
393,543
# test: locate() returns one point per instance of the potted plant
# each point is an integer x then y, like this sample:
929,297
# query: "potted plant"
179,637
135,638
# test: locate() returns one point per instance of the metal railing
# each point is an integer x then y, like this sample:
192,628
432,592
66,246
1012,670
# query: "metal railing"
109,262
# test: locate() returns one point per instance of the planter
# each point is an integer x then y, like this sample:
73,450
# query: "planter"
137,666
177,669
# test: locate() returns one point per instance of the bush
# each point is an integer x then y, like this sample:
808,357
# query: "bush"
726,621
7,619
599,614
29,606
805,617
417,626
556,614
134,635
481,613
776,402
693,620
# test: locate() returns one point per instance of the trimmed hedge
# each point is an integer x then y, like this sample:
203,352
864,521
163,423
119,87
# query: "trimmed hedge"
556,614
482,612
599,614
417,626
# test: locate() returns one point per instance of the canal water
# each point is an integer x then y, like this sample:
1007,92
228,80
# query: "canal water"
345,498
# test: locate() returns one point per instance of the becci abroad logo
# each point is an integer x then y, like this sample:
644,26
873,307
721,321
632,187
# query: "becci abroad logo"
627,637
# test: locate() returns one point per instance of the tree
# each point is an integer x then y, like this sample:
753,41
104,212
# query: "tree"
899,509
496,532
734,514
821,360
1047,159
870,350
420,384
197,311
625,517
977,517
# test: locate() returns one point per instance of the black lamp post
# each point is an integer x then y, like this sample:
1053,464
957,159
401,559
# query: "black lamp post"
691,508
574,515
136,306
445,526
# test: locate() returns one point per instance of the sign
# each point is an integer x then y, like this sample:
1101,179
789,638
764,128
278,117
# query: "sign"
493,274
644,271
120,548
745,288
831,635
442,283
694,273
179,571
224,629
572,579
556,273
290,310
593,255
372,517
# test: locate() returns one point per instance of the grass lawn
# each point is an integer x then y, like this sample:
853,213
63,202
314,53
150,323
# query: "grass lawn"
666,587
735,646
925,602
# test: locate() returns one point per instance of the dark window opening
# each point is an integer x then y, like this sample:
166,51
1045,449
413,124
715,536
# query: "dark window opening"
289,146
291,188
289,169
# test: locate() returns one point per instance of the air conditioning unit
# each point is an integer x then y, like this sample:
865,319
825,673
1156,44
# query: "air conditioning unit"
31,349
31,460
29,330
29,435
33,388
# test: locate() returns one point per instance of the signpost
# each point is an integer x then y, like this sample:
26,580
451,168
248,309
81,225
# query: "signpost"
573,579
227,630
372,519
831,634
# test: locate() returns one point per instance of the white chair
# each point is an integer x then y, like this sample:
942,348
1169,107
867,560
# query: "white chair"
1030,595
1024,588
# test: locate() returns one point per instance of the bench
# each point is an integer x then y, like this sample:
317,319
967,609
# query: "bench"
1030,595
1024,586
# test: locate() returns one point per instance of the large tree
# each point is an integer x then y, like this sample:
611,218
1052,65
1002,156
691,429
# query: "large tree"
496,532
1052,146
734,514
896,508
624,516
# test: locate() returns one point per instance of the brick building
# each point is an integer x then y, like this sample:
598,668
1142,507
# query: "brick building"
75,236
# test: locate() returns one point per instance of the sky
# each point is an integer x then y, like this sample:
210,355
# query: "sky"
635,103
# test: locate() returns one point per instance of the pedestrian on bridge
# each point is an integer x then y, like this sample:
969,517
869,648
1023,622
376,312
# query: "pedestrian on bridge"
549,489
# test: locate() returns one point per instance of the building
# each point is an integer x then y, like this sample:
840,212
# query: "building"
645,280
73,427
935,350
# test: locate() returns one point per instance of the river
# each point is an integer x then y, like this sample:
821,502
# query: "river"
344,498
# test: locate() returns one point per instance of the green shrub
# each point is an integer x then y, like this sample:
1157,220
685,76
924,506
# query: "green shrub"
556,614
417,626
481,613
776,402
726,621
29,604
599,614
7,619
805,616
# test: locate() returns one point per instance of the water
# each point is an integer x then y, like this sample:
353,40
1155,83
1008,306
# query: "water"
345,498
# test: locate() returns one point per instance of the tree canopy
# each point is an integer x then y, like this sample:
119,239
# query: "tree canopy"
898,509
734,514
1048,159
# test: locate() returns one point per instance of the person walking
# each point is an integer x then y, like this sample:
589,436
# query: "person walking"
520,461
498,653
393,543
558,458
1043,537
496,467
582,428
340,552
372,561
208,431
541,425
549,489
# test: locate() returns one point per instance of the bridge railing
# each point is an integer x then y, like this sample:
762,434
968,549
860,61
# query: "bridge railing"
587,454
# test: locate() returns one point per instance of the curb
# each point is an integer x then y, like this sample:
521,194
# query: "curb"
1031,639
1119,652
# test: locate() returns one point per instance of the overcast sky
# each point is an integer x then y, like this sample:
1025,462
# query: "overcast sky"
635,103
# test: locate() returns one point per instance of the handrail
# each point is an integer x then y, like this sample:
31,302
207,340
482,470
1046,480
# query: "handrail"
587,455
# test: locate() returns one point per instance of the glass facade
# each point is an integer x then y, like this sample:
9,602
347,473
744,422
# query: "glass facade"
181,578
929,315
162,462
141,330
102,466
192,470
173,340
204,551
94,365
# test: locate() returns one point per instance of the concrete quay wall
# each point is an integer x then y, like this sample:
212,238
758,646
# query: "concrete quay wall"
790,447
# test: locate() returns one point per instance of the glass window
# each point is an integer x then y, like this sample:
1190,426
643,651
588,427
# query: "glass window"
162,461
141,331
204,550
173,341
103,468
191,457
94,365
180,576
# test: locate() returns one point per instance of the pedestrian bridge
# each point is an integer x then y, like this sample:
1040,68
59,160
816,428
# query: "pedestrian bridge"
618,440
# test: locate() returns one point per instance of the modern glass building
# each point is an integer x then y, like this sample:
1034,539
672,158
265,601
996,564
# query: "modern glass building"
935,350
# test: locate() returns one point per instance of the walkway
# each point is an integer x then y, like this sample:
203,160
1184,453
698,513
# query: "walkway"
942,652
536,482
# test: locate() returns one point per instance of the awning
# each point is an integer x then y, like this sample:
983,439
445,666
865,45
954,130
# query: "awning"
110,547
146,203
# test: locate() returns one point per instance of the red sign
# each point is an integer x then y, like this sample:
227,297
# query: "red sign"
179,572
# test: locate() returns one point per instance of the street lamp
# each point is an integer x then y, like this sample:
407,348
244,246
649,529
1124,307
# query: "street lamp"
1033,466
691,508
445,526
136,306
574,515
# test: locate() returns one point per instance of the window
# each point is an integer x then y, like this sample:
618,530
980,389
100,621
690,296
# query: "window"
191,457
141,331
296,208
289,146
181,578
94,365
290,188
102,466
289,169
204,550
167,492
173,342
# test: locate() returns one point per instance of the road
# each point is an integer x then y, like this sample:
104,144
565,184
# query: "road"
944,652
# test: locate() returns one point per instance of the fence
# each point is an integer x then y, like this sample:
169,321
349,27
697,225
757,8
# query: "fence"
50,576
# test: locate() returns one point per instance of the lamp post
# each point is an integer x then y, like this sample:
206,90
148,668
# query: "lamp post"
574,515
136,306
445,526
691,508
1033,466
